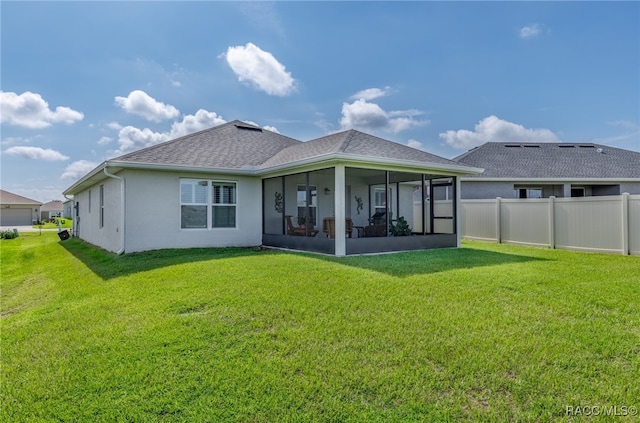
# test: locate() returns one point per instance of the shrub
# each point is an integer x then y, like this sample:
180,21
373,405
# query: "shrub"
9,234
401,228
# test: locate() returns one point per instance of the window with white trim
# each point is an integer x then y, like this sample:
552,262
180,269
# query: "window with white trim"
207,204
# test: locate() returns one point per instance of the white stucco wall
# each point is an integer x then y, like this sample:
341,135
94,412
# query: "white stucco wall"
87,226
153,213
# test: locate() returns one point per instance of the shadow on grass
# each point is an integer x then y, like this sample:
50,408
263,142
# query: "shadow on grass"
109,265
431,261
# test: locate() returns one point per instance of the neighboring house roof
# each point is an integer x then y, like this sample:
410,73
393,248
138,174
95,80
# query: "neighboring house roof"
55,205
502,160
239,147
7,197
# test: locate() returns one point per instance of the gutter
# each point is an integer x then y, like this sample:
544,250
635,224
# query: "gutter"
122,219
457,169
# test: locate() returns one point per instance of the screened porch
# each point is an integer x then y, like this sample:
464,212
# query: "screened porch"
345,210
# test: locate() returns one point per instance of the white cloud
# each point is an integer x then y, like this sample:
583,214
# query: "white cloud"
32,111
114,125
260,68
272,129
36,153
105,140
194,123
132,138
371,93
370,117
140,103
78,169
531,31
415,144
494,129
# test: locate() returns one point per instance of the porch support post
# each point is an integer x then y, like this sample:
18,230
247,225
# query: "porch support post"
387,200
284,207
457,210
307,196
422,206
340,214
431,207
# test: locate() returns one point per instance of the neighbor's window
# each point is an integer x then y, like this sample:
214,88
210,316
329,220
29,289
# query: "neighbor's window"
89,201
206,204
528,192
101,206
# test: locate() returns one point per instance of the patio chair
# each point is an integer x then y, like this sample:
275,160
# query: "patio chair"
329,226
298,230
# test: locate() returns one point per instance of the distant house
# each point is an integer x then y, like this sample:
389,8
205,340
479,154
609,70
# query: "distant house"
240,185
67,209
51,209
16,210
541,170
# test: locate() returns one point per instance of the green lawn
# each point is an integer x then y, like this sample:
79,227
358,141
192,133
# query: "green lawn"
484,333
68,223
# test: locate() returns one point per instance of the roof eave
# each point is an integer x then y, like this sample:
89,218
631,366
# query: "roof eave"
75,188
372,162
508,179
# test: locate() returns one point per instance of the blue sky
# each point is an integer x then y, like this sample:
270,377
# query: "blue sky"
83,82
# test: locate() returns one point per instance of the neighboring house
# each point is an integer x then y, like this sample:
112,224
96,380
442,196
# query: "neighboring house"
16,210
541,170
51,209
67,209
240,185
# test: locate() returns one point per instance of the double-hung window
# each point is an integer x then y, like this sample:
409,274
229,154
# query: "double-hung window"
206,204
223,211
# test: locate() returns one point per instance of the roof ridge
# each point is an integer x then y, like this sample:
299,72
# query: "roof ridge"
174,140
345,143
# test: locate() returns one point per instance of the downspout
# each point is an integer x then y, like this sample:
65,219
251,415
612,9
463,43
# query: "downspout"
122,219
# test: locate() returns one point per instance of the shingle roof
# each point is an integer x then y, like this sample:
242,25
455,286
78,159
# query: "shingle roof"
237,144
55,205
228,146
551,160
7,197
356,143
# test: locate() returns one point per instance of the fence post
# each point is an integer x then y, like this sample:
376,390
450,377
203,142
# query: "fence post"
625,223
498,219
552,225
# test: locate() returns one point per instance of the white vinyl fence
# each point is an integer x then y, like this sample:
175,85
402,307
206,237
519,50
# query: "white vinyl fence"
606,224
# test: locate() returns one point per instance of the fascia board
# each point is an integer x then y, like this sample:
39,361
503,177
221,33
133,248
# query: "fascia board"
368,162
73,189
547,180
249,170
